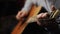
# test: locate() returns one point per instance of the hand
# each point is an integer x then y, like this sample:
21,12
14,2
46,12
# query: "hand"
21,14
41,16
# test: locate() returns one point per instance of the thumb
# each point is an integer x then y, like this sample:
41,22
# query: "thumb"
22,15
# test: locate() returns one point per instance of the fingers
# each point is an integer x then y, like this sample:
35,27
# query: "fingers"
21,14
42,15
18,16
39,16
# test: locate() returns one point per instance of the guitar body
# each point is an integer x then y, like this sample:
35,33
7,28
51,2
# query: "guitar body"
20,28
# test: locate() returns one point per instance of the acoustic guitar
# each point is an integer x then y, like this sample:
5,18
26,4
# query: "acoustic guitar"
31,18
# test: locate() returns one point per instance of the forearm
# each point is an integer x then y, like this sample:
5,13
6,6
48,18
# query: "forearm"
27,6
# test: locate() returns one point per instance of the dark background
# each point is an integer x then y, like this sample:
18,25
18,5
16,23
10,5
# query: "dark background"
8,9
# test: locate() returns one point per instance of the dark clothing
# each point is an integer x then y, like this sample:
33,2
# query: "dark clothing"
33,28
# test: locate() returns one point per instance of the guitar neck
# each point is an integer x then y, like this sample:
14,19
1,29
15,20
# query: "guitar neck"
22,28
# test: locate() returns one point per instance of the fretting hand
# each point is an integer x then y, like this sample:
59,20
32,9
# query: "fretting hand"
21,14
